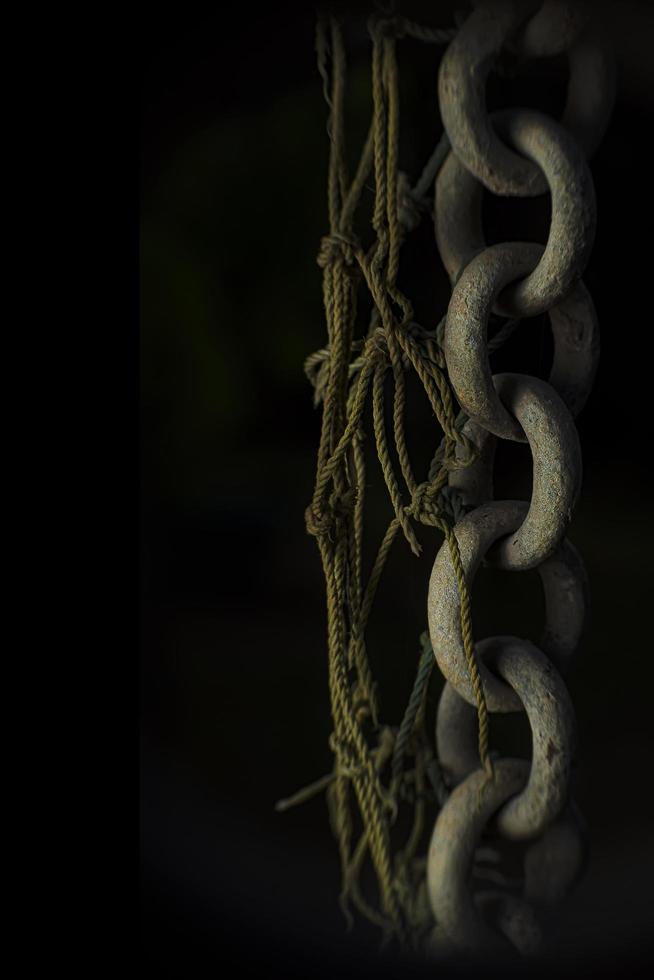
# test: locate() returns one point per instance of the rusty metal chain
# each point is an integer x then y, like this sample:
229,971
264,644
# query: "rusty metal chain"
516,152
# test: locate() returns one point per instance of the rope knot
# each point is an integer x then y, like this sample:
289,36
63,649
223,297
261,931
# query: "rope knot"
318,522
347,763
376,346
320,518
335,246
423,507
388,25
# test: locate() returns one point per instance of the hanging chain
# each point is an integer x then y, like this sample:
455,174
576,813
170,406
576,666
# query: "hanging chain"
521,153
380,767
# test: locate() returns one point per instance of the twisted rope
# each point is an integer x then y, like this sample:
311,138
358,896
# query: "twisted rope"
344,374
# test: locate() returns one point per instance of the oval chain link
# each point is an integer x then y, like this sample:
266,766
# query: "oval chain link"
516,152
572,228
462,94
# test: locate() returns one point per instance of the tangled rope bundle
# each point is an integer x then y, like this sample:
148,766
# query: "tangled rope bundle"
344,374
378,766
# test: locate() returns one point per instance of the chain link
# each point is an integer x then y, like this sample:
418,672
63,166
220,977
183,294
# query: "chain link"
462,92
521,153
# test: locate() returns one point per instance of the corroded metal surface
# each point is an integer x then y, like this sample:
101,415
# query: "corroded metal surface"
460,237
567,600
514,918
556,455
514,152
474,482
466,327
458,218
475,534
576,348
565,589
551,30
591,89
554,862
545,699
572,226
458,225
451,851
456,734
574,328
462,95
564,585
551,717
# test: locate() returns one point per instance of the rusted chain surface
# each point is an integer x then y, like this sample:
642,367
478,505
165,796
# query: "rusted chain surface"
515,152
475,534
556,455
459,231
564,588
462,96
554,863
545,698
551,30
454,840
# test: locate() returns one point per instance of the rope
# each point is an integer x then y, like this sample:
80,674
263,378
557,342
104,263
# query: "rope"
344,374
422,677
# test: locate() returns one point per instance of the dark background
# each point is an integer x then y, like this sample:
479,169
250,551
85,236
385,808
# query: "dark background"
234,700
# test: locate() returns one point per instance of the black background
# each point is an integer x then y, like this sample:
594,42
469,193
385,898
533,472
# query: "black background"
234,701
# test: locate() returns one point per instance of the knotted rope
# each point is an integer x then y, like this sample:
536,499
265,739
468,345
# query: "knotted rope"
344,374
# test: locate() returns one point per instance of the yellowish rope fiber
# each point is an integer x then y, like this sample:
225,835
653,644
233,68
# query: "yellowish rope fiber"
345,373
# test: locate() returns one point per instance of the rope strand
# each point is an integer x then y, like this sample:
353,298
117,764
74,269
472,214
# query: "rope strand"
343,374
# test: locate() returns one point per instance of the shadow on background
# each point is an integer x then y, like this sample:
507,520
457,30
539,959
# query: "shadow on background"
234,700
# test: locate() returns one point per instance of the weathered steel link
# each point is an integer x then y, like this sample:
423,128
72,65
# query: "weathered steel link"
554,863
574,329
556,468
567,599
563,576
457,217
522,153
489,804
572,226
466,327
576,348
564,589
551,30
461,91
514,918
461,95
456,734
475,533
460,237
454,840
562,26
547,703
459,232
474,482
505,913
591,90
